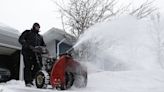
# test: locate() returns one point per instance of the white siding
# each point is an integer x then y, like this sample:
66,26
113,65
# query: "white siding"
51,46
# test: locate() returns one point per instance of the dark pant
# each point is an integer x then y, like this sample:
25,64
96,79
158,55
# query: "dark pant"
31,66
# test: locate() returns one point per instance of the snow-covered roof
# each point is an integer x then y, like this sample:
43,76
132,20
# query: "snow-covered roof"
8,39
57,34
9,31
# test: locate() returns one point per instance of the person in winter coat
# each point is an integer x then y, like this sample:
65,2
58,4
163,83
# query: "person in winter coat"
29,39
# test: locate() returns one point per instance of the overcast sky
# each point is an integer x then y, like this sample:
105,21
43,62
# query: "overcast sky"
21,14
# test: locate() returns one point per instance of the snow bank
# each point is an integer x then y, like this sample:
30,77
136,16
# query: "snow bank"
127,81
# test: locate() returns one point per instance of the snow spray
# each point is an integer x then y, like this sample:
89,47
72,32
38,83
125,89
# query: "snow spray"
121,44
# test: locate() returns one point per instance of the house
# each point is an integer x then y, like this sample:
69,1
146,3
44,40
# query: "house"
54,36
10,49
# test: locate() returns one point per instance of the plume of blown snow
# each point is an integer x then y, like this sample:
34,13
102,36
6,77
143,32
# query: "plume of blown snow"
121,44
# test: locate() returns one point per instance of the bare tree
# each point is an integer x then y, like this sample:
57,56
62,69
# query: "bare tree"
81,14
144,10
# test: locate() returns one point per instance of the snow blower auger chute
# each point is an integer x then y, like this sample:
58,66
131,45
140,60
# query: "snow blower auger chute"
61,73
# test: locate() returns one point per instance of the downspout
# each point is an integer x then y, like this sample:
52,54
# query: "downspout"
58,49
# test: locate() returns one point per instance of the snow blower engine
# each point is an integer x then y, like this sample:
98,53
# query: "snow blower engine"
61,73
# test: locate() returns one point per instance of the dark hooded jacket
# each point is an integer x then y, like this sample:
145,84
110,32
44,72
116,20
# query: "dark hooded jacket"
30,38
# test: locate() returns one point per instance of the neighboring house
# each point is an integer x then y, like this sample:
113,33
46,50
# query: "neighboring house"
10,56
53,36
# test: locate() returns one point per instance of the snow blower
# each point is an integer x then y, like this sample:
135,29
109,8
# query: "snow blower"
61,73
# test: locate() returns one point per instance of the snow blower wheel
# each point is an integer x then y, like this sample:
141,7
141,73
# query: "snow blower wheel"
41,80
69,80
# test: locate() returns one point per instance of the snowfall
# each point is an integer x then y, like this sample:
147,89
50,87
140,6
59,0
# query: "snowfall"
123,55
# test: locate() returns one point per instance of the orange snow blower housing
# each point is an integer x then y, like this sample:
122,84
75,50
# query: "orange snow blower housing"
67,72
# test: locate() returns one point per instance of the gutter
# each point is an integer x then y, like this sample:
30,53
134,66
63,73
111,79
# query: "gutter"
10,46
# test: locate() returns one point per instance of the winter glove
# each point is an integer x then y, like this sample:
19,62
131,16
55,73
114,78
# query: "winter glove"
34,49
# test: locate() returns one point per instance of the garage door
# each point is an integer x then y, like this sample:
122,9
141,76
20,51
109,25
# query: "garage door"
10,59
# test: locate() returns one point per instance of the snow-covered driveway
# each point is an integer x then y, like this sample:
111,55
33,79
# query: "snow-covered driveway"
119,81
